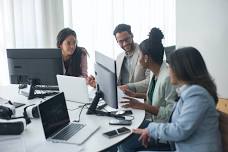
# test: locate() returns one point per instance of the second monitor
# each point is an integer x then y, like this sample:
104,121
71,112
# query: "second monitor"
105,72
40,64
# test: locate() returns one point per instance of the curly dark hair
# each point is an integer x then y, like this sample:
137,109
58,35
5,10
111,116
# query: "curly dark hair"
63,34
153,46
189,66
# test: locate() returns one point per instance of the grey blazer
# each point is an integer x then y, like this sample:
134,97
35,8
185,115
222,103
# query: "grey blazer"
164,95
138,73
194,125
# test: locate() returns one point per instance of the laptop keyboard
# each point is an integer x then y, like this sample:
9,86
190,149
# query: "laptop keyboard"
69,131
46,87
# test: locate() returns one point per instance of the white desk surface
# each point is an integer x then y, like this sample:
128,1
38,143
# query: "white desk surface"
33,140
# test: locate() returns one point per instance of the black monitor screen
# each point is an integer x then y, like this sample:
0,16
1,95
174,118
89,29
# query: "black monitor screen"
54,114
105,71
41,64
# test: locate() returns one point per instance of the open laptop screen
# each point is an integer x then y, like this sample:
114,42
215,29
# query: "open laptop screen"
54,114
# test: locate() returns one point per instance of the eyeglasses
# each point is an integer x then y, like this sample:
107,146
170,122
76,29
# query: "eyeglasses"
127,40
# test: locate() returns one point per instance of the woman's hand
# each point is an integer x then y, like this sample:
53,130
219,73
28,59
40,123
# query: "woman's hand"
123,87
133,103
90,80
126,91
129,93
144,136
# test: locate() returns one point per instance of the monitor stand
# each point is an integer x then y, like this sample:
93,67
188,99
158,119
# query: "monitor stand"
32,94
93,107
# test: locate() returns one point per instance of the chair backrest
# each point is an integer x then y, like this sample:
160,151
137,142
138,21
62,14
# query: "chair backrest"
222,108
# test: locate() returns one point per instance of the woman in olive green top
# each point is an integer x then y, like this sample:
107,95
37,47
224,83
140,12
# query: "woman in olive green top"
161,94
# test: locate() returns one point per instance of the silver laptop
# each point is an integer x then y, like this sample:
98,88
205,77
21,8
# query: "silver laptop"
56,123
74,88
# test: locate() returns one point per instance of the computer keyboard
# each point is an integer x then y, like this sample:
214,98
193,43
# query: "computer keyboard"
69,131
45,87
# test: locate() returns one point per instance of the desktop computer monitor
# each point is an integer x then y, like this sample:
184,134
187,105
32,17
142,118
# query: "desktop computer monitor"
105,73
34,64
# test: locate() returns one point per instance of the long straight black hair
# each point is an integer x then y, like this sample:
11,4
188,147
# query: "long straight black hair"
188,65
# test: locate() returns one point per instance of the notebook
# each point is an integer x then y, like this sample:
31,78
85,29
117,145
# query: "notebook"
57,126
74,88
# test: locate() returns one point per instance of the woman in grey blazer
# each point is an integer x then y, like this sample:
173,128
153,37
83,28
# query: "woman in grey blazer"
194,122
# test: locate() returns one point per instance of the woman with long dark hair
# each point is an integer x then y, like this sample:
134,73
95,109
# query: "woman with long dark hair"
194,122
74,57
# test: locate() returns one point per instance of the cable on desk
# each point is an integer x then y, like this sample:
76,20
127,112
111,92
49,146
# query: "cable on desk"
80,113
78,107
78,102
74,108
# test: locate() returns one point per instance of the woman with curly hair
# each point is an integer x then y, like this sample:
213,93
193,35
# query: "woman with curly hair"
160,96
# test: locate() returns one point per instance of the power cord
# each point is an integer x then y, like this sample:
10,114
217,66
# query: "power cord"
79,102
80,112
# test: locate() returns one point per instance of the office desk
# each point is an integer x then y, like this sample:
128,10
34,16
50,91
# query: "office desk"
33,137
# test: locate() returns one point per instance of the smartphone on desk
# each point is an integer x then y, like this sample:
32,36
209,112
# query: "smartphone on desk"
117,132
120,122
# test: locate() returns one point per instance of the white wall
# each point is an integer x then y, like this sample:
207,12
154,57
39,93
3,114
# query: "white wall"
204,24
